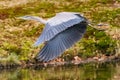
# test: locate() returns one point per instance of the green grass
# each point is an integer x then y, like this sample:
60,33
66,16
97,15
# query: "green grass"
17,36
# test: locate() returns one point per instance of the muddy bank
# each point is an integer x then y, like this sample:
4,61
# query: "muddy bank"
59,62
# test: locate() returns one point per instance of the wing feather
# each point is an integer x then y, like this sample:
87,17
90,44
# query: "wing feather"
44,53
61,42
58,24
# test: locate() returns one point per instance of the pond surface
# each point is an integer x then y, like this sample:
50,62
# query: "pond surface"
91,71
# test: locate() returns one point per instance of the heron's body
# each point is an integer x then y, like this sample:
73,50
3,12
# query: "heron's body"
60,33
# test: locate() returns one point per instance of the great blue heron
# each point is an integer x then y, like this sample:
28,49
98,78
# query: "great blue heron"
60,33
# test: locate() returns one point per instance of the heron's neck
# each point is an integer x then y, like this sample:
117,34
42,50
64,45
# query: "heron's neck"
39,20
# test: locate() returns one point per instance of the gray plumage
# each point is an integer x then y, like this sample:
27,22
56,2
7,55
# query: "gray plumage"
57,24
60,33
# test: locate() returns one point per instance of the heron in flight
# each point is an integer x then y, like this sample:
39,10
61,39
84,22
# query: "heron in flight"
60,33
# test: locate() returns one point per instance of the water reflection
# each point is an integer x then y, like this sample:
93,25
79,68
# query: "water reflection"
104,71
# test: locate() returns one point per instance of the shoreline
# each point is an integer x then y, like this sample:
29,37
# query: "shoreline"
37,65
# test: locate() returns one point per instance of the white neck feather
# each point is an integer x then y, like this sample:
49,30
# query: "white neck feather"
39,19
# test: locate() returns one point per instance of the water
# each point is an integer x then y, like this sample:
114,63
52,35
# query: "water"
91,71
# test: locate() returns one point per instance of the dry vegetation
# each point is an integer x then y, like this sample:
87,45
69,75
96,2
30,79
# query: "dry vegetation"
17,36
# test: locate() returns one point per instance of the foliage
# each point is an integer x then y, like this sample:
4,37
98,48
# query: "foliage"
17,36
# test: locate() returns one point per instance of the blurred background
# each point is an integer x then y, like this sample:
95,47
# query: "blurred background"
17,36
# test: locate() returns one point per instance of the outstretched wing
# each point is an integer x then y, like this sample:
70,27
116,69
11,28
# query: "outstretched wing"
61,42
58,24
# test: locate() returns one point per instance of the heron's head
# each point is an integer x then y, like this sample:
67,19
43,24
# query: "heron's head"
27,17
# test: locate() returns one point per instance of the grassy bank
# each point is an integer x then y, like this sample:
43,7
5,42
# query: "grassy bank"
17,36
